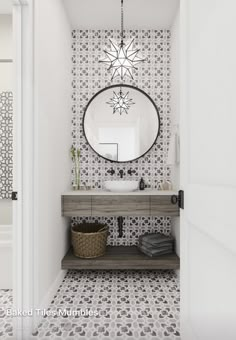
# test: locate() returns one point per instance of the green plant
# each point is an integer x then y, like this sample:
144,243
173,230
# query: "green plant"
75,156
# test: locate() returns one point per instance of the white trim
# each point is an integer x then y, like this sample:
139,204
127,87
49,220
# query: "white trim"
50,295
21,2
6,279
186,331
6,235
5,243
6,228
17,168
186,327
28,165
23,283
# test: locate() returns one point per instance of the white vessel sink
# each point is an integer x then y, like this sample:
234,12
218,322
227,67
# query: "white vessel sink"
121,186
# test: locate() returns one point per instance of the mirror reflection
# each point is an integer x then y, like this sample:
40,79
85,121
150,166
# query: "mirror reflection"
121,123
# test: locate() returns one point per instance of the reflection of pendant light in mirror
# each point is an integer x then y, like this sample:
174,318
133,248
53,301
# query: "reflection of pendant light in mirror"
122,58
120,102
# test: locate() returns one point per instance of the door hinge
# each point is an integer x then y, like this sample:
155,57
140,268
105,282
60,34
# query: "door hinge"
178,199
14,195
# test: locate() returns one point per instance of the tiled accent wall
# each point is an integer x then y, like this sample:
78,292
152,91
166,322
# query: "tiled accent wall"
133,227
6,148
152,76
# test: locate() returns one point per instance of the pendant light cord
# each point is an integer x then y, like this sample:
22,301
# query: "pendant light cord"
122,34
122,22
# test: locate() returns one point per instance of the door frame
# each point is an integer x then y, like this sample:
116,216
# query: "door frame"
23,172
185,325
24,127
187,332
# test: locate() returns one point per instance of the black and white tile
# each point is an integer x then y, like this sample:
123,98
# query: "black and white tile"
152,76
133,227
6,322
129,305
6,144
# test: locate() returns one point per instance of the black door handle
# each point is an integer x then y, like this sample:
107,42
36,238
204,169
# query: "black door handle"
178,199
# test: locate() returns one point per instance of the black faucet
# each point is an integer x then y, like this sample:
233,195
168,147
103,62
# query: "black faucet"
111,171
130,172
121,173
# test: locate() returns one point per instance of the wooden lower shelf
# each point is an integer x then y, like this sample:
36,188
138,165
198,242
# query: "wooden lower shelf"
121,257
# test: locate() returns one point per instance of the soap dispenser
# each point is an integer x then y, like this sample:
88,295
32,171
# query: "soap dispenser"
141,184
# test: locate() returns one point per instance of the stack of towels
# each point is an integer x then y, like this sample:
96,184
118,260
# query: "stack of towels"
156,244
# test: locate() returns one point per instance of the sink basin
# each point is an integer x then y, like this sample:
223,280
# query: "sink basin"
121,186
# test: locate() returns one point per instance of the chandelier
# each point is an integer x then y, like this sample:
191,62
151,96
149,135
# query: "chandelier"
122,58
120,102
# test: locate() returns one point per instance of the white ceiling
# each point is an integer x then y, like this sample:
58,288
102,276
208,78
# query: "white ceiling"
105,14
5,6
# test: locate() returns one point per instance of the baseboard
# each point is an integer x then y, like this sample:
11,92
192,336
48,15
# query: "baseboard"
49,297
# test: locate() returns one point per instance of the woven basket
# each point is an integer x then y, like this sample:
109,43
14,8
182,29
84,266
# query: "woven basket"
89,239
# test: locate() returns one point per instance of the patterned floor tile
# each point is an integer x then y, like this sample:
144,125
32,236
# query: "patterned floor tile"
126,305
6,324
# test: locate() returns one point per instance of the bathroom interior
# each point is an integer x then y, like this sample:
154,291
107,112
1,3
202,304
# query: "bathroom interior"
90,157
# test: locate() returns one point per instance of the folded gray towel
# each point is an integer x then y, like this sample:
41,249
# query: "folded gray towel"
156,246
156,250
150,254
155,238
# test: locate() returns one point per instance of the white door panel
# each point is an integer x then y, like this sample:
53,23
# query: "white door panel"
212,283
216,204
208,139
212,56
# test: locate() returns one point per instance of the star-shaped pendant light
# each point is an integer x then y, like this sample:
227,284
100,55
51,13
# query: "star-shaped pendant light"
122,58
120,102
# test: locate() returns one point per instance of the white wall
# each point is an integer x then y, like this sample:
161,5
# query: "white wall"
5,52
175,101
6,36
52,139
5,85
5,212
5,204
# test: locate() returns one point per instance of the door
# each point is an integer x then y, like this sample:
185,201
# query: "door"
208,170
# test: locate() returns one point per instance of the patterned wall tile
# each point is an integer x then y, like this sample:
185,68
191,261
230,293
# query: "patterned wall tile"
152,76
133,227
6,147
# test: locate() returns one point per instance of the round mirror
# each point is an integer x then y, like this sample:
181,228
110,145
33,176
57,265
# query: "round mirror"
121,123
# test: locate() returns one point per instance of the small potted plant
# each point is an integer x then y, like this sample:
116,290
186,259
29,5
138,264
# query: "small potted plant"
75,156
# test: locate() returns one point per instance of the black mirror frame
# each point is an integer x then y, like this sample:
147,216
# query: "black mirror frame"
129,87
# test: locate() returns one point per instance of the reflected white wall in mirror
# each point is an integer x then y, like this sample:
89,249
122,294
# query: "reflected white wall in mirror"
124,137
